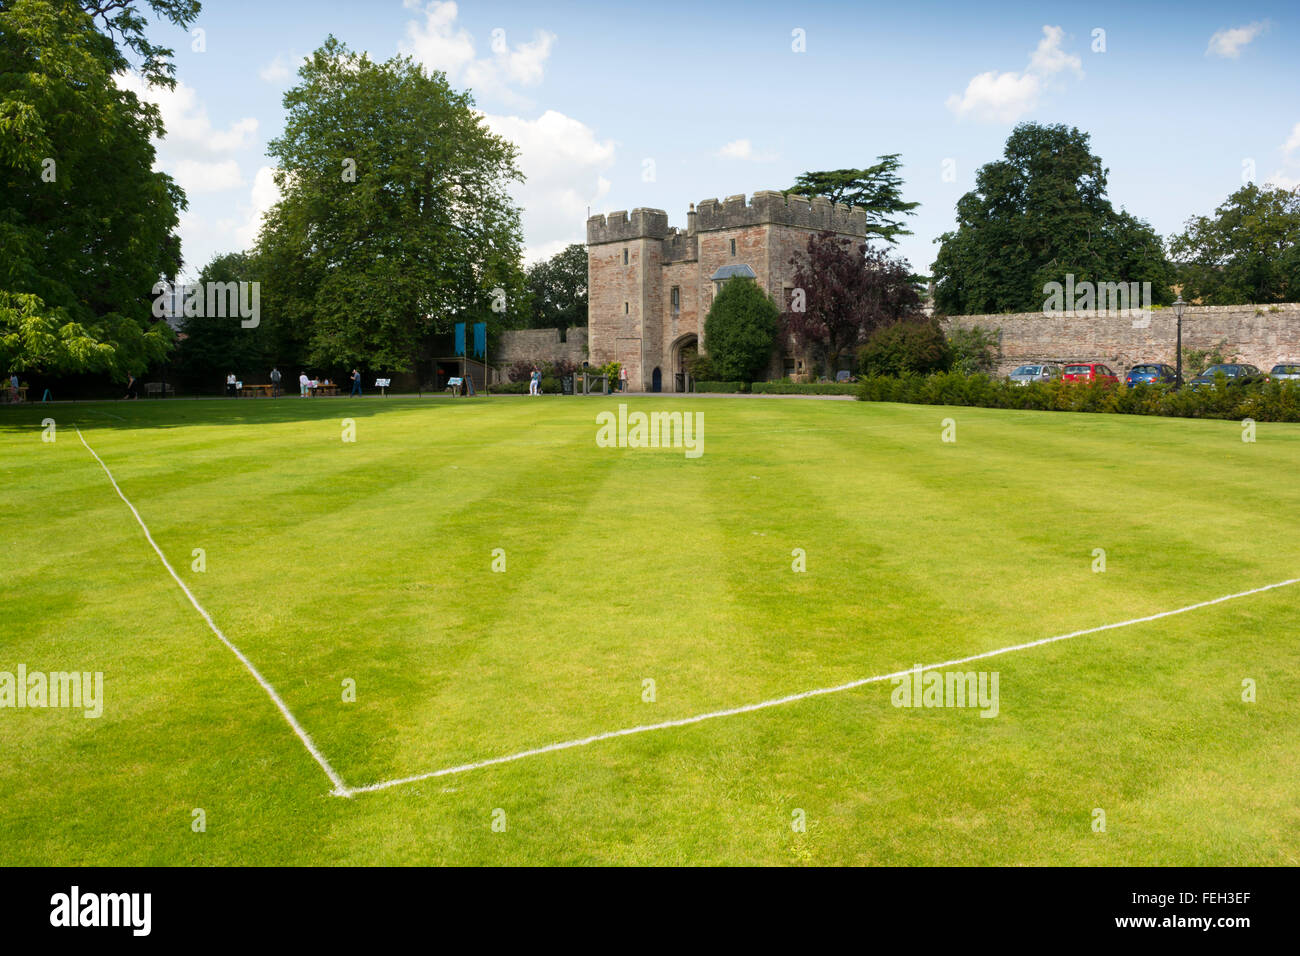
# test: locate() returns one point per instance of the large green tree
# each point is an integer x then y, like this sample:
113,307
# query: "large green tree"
878,189
740,330
1034,216
1248,251
557,290
395,220
87,227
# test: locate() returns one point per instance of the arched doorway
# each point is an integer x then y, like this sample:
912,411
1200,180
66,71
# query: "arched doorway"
682,360
657,380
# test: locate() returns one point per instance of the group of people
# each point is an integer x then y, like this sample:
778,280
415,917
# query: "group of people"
305,384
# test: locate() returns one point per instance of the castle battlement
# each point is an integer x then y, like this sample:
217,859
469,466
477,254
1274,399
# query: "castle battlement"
620,227
766,206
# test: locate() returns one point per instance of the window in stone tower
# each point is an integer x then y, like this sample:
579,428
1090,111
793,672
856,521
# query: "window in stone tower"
625,308
625,256
733,247
676,299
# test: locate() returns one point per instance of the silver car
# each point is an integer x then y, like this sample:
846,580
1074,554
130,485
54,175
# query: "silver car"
1035,373
1284,371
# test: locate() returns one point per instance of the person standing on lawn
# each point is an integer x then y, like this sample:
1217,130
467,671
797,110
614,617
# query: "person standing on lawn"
356,382
535,383
304,383
275,383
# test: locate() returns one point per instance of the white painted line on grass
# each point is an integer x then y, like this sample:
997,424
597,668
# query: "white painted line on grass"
777,701
340,788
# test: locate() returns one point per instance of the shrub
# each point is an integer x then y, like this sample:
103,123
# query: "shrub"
741,329
912,345
802,388
720,387
973,350
1262,401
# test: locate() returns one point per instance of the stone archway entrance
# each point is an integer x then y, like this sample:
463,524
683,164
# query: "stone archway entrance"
681,356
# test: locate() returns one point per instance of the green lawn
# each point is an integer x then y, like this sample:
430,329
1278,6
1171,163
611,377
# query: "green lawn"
371,561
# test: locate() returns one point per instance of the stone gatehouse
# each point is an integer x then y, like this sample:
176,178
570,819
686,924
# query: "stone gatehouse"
650,286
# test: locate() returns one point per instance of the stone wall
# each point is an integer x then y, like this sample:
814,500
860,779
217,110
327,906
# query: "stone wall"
1258,335
540,345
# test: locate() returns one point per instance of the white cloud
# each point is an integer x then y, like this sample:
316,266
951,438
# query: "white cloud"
743,149
1284,181
1293,141
281,68
440,44
263,196
563,161
1005,97
1229,43
197,176
189,130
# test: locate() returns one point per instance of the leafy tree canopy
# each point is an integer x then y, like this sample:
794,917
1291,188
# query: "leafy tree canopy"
124,23
878,189
740,330
1035,216
87,228
557,290
842,293
395,220
1248,251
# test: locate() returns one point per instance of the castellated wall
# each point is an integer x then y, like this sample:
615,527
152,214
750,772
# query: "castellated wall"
635,261
1257,335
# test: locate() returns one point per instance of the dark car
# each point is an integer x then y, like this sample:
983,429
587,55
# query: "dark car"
1234,373
1150,375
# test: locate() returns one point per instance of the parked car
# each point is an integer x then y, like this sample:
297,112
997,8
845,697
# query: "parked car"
1089,372
1153,374
1234,373
1284,371
1035,373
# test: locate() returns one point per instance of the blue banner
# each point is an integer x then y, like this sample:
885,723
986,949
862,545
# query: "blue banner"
460,338
480,339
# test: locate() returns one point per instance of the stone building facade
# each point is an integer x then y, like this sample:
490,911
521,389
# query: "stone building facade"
650,286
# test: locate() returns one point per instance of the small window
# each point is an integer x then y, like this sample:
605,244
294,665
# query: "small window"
676,298
625,256
625,308
733,247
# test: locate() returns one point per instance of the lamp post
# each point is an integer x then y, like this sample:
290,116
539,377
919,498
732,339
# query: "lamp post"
1179,306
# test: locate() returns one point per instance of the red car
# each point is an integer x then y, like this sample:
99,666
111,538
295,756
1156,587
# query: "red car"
1089,372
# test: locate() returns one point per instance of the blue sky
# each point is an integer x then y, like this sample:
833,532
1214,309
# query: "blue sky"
624,104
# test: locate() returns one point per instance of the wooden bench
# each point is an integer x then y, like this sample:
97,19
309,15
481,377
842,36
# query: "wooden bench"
255,391
324,390
22,393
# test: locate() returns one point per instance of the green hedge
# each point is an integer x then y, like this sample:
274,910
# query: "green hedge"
803,388
721,387
1261,401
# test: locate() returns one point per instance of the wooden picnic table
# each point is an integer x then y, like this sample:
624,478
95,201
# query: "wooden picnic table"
324,390
22,392
255,391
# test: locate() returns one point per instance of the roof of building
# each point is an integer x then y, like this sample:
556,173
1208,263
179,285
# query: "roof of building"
730,272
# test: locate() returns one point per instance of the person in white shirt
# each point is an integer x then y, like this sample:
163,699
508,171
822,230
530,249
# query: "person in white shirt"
230,384
303,384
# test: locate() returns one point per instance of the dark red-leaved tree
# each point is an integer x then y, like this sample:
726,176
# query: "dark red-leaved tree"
847,290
